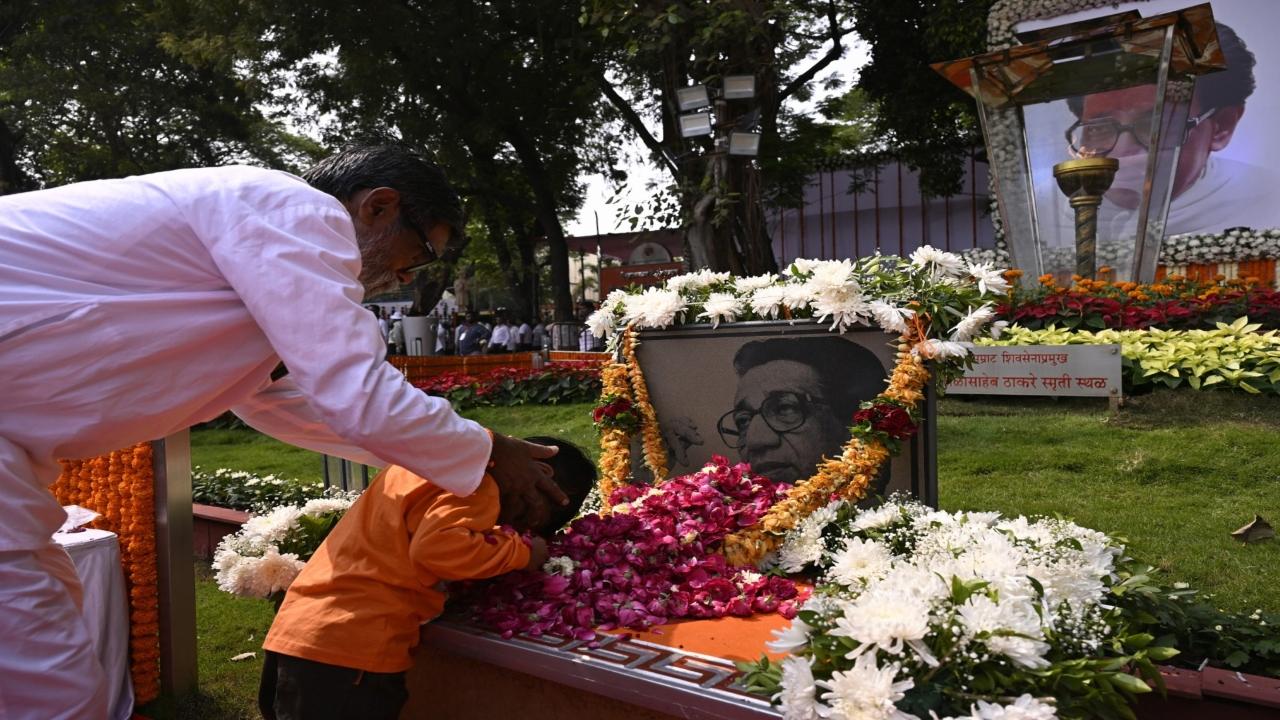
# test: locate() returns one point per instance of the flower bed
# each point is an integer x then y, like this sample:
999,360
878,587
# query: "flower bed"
921,613
1173,303
1231,356
239,490
568,382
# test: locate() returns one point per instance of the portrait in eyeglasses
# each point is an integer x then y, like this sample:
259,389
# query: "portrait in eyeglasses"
1223,176
779,399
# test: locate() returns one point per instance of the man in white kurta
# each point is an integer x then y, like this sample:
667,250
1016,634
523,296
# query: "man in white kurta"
130,309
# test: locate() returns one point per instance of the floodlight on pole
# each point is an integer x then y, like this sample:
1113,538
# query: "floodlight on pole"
695,125
744,143
739,87
693,97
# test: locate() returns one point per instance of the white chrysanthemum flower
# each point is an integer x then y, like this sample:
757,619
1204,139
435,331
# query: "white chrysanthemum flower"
802,266
603,322
883,516
1010,627
800,551
866,691
321,506
559,565
748,285
790,639
934,348
859,560
796,297
989,278
748,577
972,323
694,281
276,572
274,526
798,697
721,307
889,318
887,618
941,263
655,307
997,328
767,301
1025,707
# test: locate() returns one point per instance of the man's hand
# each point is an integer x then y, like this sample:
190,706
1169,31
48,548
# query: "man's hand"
524,482
537,554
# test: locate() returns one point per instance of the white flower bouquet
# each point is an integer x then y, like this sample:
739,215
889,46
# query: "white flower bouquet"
949,299
267,553
928,614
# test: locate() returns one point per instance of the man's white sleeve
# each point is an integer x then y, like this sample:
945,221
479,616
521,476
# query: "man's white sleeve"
282,411
296,269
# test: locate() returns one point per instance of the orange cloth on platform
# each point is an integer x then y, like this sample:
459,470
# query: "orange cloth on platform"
361,598
731,638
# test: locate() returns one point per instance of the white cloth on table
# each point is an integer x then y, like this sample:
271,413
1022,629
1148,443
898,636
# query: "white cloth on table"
96,555
130,309
48,667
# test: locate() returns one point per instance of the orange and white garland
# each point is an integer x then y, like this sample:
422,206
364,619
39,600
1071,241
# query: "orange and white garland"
623,378
120,487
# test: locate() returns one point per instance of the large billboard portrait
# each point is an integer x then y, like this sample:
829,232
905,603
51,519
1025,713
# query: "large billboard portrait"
777,396
1228,170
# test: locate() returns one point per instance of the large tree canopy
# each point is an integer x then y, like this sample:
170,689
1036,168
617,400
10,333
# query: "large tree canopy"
661,47
89,91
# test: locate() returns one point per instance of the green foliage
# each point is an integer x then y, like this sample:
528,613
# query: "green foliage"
1231,356
240,490
93,90
1177,617
657,48
924,121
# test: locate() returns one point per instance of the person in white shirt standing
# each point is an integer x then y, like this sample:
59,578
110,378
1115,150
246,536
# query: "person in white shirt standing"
133,308
500,338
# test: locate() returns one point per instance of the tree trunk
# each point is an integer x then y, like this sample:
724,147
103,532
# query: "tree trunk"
12,179
548,217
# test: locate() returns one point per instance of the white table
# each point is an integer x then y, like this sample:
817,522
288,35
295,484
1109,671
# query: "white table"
96,554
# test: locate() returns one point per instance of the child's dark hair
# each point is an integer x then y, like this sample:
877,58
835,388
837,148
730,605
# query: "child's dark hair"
574,473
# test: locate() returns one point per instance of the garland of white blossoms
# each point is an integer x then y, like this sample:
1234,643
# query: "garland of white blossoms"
1204,248
957,297
927,614
267,553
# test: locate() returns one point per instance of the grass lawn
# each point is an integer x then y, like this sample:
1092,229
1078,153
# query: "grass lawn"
1174,472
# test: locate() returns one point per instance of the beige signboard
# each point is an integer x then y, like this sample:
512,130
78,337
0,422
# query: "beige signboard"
1054,370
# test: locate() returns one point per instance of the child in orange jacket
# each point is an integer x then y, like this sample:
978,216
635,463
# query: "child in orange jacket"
340,643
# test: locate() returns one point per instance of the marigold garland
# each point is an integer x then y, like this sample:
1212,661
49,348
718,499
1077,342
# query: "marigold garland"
615,442
655,451
120,486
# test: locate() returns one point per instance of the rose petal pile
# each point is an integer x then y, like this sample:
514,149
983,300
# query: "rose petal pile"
651,561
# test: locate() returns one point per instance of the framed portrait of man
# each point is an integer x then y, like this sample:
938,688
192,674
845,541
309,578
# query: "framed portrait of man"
775,395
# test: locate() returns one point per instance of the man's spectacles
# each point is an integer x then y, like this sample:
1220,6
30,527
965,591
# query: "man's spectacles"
432,256
1099,137
783,412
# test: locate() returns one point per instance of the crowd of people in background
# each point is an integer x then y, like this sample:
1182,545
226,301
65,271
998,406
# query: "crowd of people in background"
469,333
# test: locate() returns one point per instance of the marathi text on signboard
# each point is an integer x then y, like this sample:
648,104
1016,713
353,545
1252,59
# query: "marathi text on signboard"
1056,370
